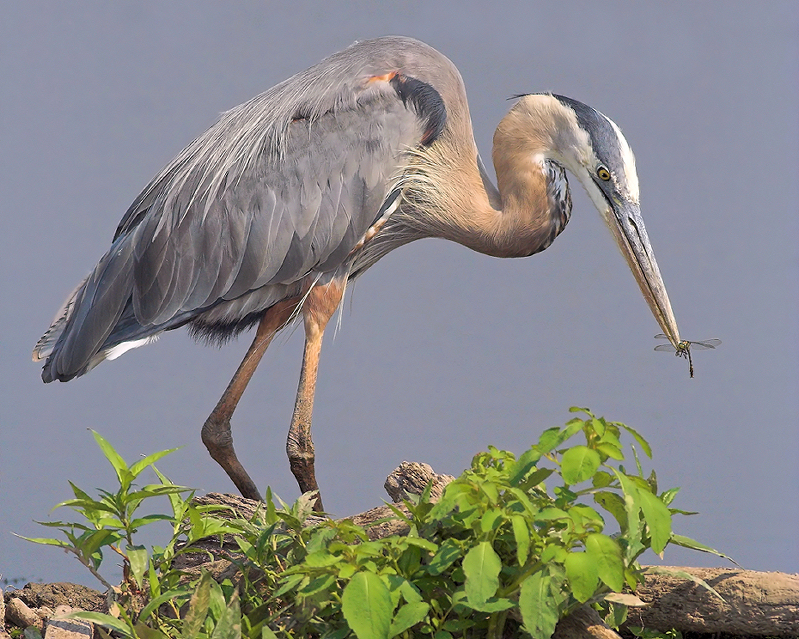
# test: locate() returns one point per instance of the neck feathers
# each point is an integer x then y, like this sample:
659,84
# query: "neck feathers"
447,197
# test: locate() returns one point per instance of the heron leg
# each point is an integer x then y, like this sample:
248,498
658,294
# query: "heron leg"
319,306
216,433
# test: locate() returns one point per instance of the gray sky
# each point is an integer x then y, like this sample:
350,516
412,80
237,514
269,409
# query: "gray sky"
442,351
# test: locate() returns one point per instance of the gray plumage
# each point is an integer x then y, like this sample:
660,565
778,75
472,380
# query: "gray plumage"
282,186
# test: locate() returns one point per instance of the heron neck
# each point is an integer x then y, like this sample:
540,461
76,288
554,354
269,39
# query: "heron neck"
452,197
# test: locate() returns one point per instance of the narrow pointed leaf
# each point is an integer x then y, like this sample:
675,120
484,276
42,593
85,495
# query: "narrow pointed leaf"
641,441
103,620
521,534
229,624
147,461
198,607
687,542
114,458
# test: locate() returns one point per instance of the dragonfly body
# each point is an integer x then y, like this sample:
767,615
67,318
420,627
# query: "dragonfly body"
683,348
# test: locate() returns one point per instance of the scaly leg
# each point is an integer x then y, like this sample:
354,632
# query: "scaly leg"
216,433
318,308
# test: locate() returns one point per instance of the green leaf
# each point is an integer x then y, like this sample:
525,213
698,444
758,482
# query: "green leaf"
481,565
229,624
424,544
322,559
550,438
198,607
607,557
539,615
578,464
120,467
408,616
581,571
524,465
103,620
448,553
658,520
687,542
139,560
489,520
610,450
494,604
521,534
366,605
641,441
177,596
143,463
631,526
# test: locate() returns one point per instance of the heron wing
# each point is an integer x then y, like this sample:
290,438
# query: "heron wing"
270,220
258,200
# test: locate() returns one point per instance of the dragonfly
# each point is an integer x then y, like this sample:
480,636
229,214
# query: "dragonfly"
684,348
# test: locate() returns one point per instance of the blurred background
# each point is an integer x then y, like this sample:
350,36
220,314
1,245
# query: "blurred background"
441,351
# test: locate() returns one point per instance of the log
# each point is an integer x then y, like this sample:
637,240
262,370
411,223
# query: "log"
758,604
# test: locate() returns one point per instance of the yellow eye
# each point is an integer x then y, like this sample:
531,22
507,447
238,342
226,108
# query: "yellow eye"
603,173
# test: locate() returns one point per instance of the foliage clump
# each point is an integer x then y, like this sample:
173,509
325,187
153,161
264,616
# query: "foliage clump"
519,541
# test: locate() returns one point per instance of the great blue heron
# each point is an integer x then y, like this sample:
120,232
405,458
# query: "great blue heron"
272,211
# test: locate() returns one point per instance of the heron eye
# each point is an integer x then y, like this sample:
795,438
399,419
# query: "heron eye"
603,173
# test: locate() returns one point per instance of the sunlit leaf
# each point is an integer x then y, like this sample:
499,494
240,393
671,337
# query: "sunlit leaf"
581,571
658,520
481,565
578,464
143,463
120,467
447,554
607,557
641,441
521,534
538,614
366,605
687,542
625,599
408,616
139,560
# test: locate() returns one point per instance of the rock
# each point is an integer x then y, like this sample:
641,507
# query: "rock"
60,628
20,614
61,594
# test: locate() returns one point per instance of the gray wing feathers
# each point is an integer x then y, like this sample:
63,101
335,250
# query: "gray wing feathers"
282,185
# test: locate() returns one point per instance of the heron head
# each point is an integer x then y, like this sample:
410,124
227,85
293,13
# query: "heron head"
593,148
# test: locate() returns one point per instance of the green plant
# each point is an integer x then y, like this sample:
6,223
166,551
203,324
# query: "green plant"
111,522
497,545
519,541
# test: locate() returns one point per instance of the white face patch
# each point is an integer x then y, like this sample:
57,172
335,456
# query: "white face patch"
628,161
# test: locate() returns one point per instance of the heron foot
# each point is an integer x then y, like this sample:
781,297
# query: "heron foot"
302,467
218,440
